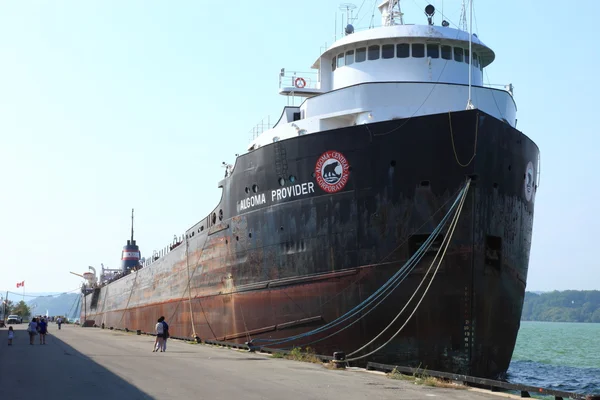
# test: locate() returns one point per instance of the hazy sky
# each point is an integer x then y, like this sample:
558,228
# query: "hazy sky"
111,105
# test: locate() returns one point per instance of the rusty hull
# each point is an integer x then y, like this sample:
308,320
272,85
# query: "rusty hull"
285,267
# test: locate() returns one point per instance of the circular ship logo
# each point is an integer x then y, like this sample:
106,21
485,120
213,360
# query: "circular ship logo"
332,171
529,182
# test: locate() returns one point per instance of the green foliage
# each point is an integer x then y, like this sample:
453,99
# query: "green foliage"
566,306
7,308
21,309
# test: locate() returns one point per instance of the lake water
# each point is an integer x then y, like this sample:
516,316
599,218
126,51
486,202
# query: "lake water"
558,355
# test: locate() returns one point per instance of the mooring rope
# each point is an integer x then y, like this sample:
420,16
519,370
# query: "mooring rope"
445,244
399,275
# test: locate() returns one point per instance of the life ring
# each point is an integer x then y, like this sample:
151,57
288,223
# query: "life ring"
300,83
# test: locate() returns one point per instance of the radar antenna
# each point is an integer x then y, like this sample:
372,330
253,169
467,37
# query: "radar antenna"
349,9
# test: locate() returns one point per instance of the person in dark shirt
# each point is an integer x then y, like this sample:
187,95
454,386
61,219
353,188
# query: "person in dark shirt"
43,330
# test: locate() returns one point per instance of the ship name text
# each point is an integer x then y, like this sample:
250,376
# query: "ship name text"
252,201
292,191
288,192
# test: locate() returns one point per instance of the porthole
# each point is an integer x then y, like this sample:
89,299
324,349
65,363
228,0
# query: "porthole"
281,228
393,163
292,178
247,190
214,218
237,238
201,228
313,174
281,181
249,234
255,188
220,215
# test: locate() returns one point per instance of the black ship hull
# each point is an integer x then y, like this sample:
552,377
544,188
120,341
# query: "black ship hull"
309,227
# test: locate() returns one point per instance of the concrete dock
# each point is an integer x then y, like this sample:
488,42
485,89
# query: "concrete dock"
92,363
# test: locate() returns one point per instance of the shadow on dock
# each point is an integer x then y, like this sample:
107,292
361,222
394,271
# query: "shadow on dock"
56,371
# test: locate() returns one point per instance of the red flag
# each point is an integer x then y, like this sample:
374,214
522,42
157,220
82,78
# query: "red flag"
20,284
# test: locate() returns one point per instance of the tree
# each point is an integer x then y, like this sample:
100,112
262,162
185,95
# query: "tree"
9,307
21,309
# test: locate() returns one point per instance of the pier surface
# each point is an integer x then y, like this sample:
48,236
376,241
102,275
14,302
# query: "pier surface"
92,363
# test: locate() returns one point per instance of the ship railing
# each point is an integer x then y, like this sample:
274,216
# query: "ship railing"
158,254
263,125
507,88
298,79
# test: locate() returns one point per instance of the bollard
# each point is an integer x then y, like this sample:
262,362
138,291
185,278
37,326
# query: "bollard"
197,339
250,347
102,325
138,332
338,358
111,328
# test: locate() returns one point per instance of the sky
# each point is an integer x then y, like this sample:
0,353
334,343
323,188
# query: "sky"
109,105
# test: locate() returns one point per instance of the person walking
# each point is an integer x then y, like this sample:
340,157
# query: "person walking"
59,322
42,330
11,335
32,329
158,342
165,332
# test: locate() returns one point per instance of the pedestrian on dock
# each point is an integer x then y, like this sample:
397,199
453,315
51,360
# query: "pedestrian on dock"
165,332
32,330
59,322
11,335
42,330
160,338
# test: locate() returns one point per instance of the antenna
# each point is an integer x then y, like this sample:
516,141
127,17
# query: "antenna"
349,8
470,105
393,15
462,23
132,226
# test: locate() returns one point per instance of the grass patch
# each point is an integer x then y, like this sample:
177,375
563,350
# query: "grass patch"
277,355
426,380
307,356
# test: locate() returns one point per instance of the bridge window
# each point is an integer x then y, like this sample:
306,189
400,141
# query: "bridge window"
333,64
475,60
403,50
361,54
458,54
418,50
447,52
467,56
350,57
433,51
373,52
387,51
340,60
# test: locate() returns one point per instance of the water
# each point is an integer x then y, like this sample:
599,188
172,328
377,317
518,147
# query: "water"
558,355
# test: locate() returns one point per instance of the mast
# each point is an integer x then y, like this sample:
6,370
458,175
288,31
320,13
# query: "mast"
390,14
470,105
132,219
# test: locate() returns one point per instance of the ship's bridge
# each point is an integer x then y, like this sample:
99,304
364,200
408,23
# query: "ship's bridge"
395,71
397,53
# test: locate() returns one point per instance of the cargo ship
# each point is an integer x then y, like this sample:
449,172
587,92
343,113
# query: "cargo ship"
327,205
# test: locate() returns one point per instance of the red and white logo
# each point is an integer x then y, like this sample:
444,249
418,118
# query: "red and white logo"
529,181
332,171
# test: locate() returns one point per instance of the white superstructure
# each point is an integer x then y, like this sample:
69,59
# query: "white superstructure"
390,72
